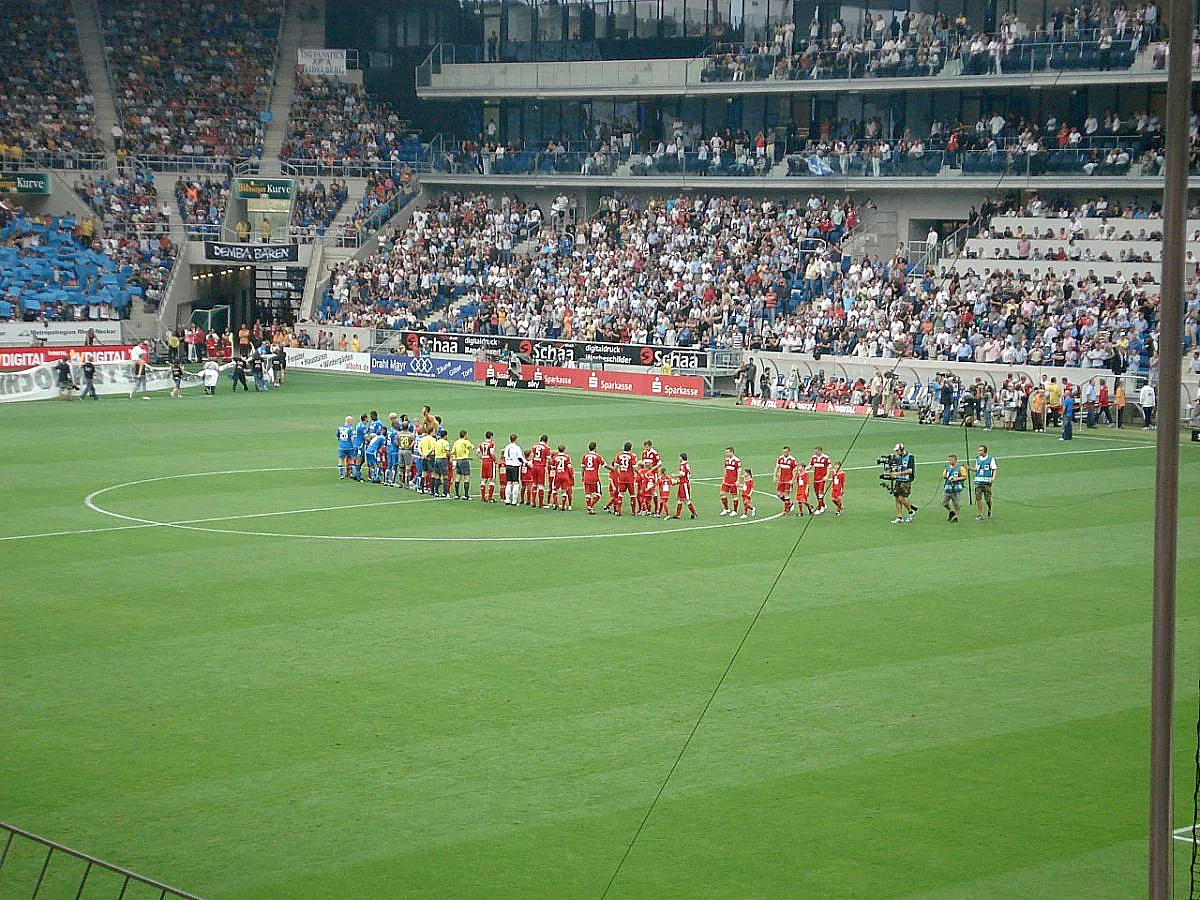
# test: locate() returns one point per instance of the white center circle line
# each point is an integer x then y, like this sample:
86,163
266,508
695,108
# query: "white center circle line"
197,524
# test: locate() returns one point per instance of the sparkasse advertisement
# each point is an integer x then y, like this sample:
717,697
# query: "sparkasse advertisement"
678,387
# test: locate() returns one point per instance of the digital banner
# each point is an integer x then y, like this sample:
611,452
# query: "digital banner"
253,254
24,334
680,387
24,182
557,353
329,360
264,188
321,62
841,409
422,367
28,357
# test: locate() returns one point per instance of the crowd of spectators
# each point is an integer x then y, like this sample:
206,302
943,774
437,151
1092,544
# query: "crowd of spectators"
48,105
749,273
335,123
316,205
913,44
448,251
192,80
202,204
135,223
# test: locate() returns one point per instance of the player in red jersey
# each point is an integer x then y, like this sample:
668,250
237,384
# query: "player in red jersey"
729,484
819,464
803,480
591,464
644,480
663,495
528,492
837,487
650,457
748,493
539,456
613,485
683,487
785,471
625,464
564,479
486,451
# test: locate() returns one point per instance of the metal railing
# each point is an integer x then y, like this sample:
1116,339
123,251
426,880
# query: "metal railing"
193,162
54,159
52,847
317,168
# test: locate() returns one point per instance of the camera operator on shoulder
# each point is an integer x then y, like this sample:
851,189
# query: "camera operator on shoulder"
899,472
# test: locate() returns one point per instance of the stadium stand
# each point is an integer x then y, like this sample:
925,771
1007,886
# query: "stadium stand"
54,268
334,123
48,116
201,203
191,81
315,206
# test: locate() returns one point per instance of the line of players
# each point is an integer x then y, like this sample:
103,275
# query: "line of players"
543,477
795,482
420,456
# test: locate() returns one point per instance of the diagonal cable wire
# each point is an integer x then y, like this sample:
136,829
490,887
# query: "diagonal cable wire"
757,615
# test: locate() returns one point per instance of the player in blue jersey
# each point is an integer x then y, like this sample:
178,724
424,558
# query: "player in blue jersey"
360,442
393,452
418,465
374,426
345,439
374,446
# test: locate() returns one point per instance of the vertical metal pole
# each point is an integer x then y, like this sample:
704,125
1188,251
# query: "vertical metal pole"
1166,496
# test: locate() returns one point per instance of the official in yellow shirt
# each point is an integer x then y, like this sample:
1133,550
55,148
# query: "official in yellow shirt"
461,452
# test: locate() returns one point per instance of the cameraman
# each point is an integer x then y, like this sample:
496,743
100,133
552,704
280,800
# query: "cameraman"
900,473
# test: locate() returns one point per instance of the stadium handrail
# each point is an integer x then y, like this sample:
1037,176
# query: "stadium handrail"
55,159
92,862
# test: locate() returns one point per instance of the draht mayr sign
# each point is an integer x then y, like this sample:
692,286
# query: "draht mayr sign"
24,182
264,188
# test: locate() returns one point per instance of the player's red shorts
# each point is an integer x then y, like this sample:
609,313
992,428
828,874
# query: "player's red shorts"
784,487
747,495
563,482
591,487
625,487
538,474
684,491
836,495
819,486
487,469
802,494
729,487
527,478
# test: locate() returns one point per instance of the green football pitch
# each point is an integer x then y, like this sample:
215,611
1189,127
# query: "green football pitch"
226,669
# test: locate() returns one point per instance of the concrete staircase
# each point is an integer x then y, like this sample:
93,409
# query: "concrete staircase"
301,28
91,45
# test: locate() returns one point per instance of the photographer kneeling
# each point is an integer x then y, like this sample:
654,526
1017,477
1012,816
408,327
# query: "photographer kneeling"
898,475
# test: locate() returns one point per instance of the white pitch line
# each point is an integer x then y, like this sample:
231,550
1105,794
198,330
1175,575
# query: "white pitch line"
149,523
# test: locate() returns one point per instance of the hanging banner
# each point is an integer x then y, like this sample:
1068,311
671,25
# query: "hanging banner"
252,254
26,334
24,182
41,383
556,352
264,188
321,62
